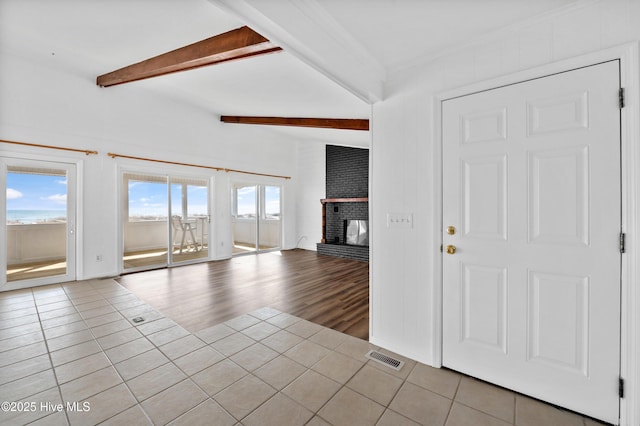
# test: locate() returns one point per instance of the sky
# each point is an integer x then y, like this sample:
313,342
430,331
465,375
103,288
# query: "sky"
247,200
36,192
47,192
151,199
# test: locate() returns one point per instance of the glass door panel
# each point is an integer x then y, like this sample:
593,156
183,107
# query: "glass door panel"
257,218
39,234
145,225
189,219
245,219
270,227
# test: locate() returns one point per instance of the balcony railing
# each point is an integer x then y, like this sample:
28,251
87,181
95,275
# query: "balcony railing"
39,242
44,244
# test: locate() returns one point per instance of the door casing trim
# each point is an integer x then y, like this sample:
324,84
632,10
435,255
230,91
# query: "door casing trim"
78,270
628,55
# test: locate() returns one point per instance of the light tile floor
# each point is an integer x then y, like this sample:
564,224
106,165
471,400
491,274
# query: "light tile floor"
73,354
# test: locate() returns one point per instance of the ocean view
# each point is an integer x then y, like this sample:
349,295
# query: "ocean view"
35,216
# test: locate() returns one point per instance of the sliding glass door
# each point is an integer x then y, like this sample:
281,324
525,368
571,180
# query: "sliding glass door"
145,235
270,225
189,219
245,219
166,220
256,218
39,214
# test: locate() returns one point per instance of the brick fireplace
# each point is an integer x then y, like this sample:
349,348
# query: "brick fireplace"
347,192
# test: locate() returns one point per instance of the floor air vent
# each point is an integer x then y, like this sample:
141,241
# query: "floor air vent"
390,362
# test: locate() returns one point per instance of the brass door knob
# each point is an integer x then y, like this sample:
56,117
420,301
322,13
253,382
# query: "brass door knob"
451,230
451,249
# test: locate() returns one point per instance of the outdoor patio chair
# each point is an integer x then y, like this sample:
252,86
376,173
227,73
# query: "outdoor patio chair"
184,228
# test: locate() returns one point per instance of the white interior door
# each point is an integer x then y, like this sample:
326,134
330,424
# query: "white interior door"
531,184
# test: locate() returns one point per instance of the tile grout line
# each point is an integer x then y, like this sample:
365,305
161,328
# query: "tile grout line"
248,372
315,413
453,400
228,357
310,368
95,339
108,299
138,402
252,372
46,344
170,361
342,386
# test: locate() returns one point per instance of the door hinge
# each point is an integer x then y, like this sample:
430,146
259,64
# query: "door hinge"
621,97
621,387
623,238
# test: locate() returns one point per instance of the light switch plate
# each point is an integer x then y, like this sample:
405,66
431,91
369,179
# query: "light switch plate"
399,220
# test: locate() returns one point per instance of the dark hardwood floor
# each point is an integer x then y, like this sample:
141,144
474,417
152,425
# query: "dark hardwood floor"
329,291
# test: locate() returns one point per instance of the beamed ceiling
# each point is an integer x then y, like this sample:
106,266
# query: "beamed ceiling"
311,68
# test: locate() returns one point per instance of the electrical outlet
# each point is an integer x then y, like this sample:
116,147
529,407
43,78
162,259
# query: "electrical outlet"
98,258
399,220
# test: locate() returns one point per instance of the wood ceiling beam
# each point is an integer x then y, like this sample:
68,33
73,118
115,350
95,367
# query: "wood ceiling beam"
325,123
235,44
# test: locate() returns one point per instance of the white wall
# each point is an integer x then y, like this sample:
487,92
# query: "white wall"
43,103
311,174
404,153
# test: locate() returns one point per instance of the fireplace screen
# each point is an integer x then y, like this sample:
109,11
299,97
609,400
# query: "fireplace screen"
356,232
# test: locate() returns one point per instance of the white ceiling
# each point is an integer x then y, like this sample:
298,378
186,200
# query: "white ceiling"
417,31
93,37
